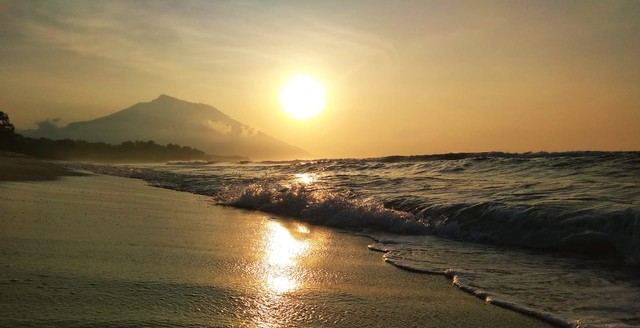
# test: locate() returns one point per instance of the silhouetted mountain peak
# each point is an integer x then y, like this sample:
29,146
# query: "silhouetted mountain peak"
171,120
166,98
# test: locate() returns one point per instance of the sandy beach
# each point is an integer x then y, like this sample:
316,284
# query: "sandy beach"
18,167
114,252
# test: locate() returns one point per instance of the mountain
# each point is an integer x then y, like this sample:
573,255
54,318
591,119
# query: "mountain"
170,120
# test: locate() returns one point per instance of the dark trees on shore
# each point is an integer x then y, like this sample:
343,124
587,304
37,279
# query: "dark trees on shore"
7,131
5,125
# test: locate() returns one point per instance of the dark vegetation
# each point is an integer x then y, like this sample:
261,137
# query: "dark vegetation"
67,149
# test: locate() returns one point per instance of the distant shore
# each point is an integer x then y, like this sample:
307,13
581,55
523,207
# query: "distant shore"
18,167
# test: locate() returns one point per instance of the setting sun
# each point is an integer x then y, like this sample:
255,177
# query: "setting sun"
303,97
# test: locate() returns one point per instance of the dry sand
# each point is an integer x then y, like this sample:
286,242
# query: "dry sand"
108,251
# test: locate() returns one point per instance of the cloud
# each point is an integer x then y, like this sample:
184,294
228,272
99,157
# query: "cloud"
46,128
222,128
248,131
48,125
172,40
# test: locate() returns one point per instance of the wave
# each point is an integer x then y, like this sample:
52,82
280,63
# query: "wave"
489,155
566,291
476,156
540,227
458,278
527,212
192,162
321,207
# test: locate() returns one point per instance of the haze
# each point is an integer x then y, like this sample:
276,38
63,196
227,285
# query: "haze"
413,77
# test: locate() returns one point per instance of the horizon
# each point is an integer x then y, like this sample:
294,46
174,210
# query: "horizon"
400,79
581,152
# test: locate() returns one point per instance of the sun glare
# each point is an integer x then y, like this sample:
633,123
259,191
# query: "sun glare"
303,97
281,256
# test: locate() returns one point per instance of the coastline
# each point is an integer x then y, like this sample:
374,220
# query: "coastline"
98,249
19,167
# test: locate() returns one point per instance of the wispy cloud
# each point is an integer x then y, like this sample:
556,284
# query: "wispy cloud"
220,127
248,131
193,37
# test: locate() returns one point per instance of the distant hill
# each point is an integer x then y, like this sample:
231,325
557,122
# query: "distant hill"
170,120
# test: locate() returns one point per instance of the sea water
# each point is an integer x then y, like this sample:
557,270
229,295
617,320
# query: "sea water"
553,235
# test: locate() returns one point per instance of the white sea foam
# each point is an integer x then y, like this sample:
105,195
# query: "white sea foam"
565,291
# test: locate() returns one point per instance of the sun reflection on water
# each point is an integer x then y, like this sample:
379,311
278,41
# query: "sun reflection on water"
303,229
281,273
305,178
282,252
281,284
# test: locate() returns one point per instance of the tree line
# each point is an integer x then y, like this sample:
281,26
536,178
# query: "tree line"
67,149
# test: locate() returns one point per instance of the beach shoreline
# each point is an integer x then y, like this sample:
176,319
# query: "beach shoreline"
104,250
19,167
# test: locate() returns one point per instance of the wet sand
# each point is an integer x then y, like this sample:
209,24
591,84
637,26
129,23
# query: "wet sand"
108,251
18,167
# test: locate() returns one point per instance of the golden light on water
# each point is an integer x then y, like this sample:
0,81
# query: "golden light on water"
282,253
281,284
304,178
303,229
280,272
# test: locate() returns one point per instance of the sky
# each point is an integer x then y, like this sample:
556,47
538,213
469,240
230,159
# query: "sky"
401,77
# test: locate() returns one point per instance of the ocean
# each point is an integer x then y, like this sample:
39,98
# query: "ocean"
552,235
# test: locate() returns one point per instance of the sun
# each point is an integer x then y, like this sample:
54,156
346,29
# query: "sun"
303,97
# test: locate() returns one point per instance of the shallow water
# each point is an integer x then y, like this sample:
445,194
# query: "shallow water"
110,252
553,234
566,290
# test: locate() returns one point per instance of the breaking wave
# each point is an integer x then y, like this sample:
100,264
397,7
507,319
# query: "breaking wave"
321,207
613,234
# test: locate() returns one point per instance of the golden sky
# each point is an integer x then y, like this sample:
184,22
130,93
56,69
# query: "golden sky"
402,77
